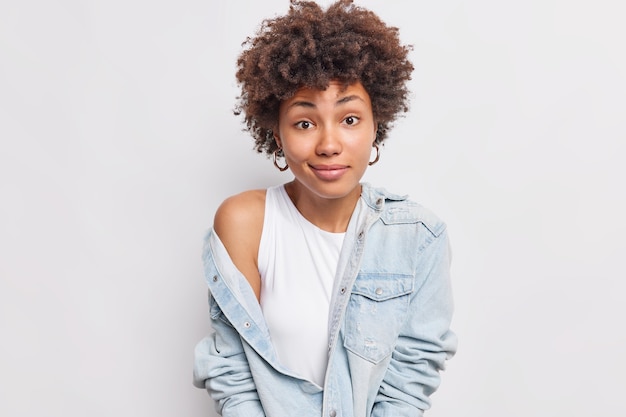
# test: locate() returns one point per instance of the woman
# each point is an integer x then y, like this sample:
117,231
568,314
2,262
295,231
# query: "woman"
328,297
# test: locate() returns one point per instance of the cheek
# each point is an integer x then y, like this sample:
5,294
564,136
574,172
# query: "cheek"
368,156
296,151
363,149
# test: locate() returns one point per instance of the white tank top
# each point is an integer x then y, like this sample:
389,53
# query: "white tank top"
297,263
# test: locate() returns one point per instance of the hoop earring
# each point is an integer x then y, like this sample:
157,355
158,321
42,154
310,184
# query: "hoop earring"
377,155
281,169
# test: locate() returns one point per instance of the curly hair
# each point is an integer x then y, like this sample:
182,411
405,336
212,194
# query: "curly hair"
309,47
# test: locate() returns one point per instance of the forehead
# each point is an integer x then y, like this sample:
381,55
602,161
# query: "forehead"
336,91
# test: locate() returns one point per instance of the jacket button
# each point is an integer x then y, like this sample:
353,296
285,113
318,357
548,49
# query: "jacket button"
247,324
379,291
214,278
343,290
332,413
379,202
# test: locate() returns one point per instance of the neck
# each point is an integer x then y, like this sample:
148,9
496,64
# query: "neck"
329,214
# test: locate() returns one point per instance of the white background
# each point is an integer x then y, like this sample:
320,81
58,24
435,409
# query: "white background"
118,142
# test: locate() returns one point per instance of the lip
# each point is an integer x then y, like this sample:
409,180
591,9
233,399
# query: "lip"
329,172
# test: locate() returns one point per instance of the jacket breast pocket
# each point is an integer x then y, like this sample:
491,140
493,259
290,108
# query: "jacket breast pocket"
376,310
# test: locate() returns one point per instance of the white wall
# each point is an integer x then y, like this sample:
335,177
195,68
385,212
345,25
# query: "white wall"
117,143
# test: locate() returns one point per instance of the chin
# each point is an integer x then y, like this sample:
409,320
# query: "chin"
334,191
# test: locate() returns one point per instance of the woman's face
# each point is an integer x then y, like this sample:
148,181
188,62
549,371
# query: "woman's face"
327,137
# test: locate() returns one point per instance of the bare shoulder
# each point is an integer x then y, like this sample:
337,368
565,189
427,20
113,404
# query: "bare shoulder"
239,224
239,213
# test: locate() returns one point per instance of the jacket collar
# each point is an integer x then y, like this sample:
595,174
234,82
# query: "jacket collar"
375,197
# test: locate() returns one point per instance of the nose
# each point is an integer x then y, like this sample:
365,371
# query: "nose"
329,142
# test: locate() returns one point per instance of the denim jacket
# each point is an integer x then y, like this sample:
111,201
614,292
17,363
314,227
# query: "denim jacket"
389,324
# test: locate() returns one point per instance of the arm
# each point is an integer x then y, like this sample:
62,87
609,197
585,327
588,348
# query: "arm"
425,342
222,368
239,224
221,365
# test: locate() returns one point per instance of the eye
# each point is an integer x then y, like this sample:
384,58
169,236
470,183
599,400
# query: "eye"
304,125
351,120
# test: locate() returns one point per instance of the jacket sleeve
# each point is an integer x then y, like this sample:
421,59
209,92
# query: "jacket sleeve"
425,341
222,368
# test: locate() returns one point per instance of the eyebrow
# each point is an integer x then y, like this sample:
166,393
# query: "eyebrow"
308,104
348,99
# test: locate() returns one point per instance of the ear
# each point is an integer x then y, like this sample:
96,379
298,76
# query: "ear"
374,138
277,138
375,133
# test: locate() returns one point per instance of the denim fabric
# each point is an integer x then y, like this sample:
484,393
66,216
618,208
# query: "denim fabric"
389,325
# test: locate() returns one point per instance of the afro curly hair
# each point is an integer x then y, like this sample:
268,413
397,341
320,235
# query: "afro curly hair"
309,47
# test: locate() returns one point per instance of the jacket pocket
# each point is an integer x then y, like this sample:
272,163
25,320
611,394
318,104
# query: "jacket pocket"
377,307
